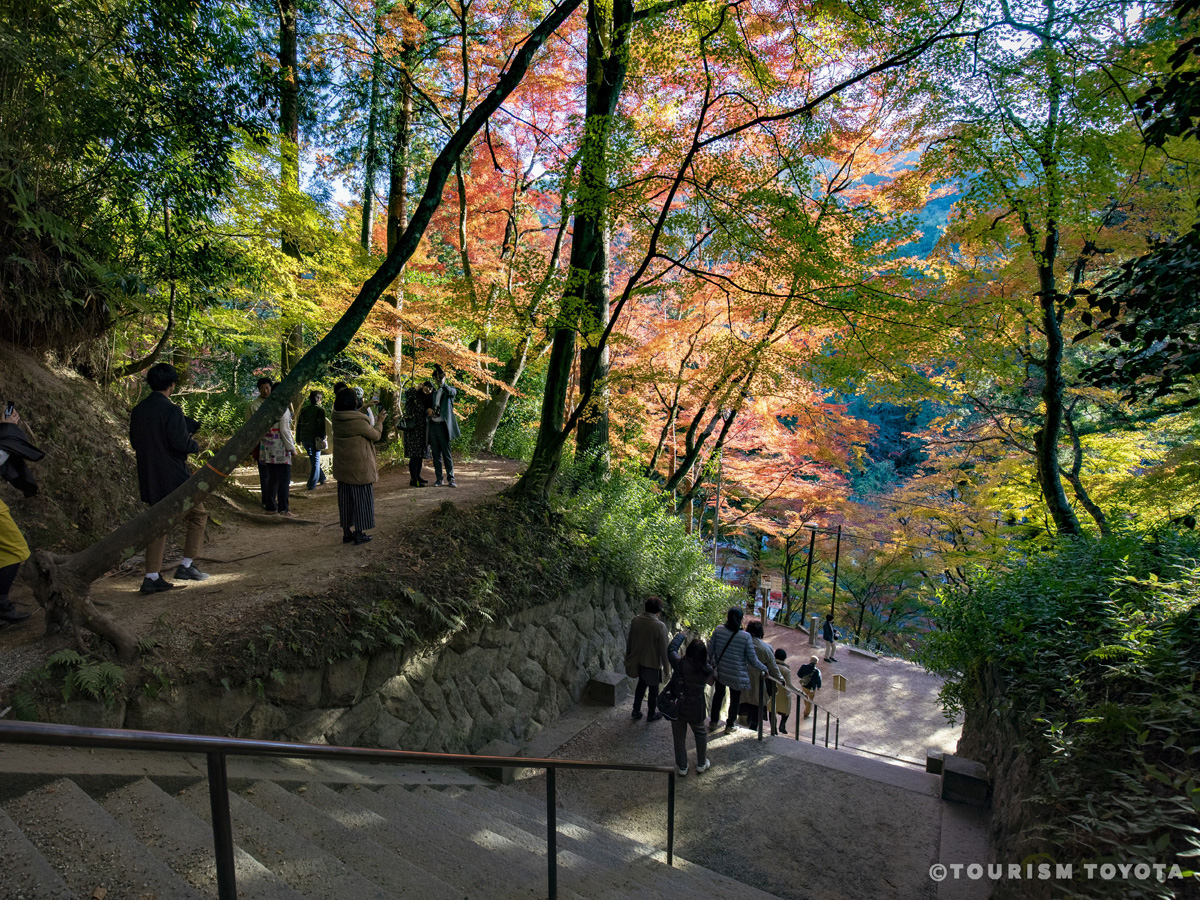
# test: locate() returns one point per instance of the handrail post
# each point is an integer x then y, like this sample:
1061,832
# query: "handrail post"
551,835
671,819
816,715
837,731
218,795
762,706
826,728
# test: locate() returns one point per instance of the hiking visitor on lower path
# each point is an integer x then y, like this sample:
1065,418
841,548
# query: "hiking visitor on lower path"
731,652
311,433
417,402
809,676
691,675
161,437
646,657
443,427
354,466
275,456
829,633
15,454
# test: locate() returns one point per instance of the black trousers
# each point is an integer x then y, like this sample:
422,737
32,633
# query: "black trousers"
415,464
640,691
277,488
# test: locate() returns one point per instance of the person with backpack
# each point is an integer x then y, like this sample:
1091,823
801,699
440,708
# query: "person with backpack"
809,677
830,634
690,679
732,653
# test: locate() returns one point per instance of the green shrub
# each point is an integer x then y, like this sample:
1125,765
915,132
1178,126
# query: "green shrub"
637,540
1099,643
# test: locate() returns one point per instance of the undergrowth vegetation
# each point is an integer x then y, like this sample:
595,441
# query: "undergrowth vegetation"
1097,643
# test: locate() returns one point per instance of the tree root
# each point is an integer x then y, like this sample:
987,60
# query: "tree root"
66,597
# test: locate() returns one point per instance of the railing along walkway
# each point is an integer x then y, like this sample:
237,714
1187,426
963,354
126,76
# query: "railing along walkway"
216,749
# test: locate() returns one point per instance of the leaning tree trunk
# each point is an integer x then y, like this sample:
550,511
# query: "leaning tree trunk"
62,583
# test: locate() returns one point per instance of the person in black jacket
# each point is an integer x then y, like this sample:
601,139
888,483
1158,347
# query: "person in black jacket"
809,678
829,633
161,436
311,431
691,676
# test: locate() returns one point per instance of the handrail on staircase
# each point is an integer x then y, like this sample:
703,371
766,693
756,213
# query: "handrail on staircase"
217,748
817,709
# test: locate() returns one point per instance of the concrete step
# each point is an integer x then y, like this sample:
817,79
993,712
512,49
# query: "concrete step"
183,842
297,861
384,865
25,874
483,864
90,849
592,840
579,863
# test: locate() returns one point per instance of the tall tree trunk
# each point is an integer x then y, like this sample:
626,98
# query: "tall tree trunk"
292,343
591,437
62,583
607,57
397,221
371,154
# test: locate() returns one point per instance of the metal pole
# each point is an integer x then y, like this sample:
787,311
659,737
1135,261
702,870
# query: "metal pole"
551,836
816,715
812,543
837,555
717,513
671,819
762,705
218,796
837,732
826,728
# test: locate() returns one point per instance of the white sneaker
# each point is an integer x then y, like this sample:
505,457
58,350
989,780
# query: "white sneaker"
704,767
681,772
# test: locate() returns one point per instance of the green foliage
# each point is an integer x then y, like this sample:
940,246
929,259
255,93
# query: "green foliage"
98,680
1097,642
636,539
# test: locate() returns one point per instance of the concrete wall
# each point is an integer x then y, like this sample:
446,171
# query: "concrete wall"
506,680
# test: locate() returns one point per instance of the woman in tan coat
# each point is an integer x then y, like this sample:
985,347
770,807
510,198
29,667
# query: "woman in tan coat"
354,466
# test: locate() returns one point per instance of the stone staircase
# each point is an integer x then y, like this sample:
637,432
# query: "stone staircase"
149,838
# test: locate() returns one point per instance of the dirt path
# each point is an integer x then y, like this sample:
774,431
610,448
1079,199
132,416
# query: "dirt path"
255,559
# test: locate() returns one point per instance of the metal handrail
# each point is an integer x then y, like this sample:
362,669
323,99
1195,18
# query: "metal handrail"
217,748
817,709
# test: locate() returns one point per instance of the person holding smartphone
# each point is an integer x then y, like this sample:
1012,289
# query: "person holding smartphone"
15,454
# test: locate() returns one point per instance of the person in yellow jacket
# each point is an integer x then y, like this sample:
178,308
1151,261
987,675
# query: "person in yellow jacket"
15,449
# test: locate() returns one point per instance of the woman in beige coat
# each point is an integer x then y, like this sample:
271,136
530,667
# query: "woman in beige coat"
781,702
354,466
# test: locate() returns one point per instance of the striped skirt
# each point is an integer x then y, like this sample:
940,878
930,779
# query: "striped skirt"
356,506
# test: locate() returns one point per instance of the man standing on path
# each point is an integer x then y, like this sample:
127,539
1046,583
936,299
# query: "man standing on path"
161,436
264,385
646,657
443,426
830,636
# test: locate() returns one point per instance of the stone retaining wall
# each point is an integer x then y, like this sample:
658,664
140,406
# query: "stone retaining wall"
506,680
992,735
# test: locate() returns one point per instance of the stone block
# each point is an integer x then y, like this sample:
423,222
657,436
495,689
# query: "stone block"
263,722
609,688
399,699
312,727
344,681
502,774
90,714
964,781
301,688
933,762
348,729
381,669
